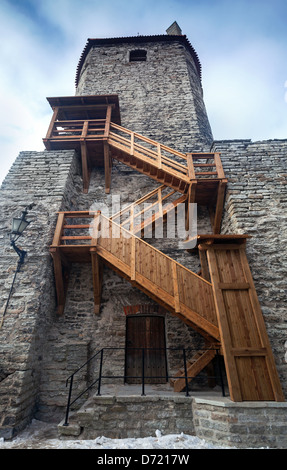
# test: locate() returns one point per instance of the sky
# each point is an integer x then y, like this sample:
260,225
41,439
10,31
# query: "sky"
241,44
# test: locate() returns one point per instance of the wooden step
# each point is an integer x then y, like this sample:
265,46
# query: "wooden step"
193,366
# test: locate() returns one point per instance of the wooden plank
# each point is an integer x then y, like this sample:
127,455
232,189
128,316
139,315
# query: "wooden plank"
190,167
249,351
108,120
230,364
59,229
193,369
219,167
175,288
273,374
51,125
219,207
233,286
59,279
133,258
96,228
85,130
159,155
250,365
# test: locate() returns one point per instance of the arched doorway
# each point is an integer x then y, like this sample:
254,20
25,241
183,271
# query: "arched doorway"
145,332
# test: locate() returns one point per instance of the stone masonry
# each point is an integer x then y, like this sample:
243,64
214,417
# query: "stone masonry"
256,204
160,98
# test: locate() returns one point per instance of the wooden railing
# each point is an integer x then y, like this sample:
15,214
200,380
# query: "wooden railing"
92,129
148,209
148,150
191,166
181,290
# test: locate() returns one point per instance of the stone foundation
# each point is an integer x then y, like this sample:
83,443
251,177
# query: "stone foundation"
218,421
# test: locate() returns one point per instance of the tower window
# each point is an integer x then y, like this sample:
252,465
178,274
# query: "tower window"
138,55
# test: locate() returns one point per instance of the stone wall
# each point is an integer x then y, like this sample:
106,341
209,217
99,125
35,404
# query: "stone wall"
40,178
244,425
219,421
160,98
256,204
79,333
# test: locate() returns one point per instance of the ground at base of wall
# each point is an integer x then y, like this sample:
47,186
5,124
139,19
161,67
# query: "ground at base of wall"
40,435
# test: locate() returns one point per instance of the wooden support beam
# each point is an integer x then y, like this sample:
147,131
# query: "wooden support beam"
175,288
108,167
51,127
59,230
204,265
230,364
108,121
216,222
60,279
189,205
96,224
133,258
190,166
159,155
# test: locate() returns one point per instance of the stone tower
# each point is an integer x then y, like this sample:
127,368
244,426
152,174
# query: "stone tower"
158,81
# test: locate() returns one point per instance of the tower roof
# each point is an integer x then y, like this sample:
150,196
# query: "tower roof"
137,40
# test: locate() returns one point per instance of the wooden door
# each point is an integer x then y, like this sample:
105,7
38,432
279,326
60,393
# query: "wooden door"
145,331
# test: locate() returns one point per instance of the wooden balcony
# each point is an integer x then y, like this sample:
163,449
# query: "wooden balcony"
91,126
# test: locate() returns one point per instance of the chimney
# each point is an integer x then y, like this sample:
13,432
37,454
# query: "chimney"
174,30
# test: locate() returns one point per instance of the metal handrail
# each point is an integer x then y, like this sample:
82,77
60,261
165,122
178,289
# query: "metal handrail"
143,377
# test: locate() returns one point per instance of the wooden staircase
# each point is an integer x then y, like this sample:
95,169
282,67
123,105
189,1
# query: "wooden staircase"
193,367
222,305
170,284
140,216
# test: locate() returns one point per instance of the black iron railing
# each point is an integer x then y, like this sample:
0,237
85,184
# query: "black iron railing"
143,377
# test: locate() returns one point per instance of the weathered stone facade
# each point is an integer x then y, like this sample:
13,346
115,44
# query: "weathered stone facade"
41,178
256,204
160,98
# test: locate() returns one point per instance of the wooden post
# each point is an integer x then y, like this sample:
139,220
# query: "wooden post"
231,369
219,167
132,143
190,200
216,219
133,258
108,121
85,130
191,172
159,155
59,230
50,128
175,288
